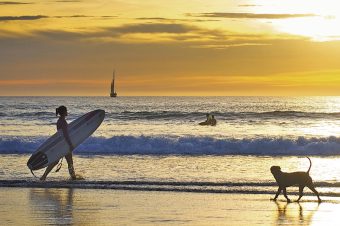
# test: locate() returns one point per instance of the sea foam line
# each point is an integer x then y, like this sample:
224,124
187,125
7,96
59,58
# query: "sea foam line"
142,187
159,183
158,145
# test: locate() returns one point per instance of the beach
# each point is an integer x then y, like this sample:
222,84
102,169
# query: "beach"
39,206
151,163
116,193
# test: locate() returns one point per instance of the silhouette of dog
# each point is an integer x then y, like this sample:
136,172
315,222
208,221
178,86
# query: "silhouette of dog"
284,180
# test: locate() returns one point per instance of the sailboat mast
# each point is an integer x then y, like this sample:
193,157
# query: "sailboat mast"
113,82
113,93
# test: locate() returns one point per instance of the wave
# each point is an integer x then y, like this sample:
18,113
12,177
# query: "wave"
221,115
149,145
198,187
167,115
42,115
38,113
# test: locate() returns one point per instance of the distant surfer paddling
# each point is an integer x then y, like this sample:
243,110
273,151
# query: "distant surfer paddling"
211,121
63,126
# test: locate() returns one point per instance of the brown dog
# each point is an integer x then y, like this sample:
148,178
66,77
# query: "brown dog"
284,180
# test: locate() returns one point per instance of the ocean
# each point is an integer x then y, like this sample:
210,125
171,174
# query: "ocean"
155,143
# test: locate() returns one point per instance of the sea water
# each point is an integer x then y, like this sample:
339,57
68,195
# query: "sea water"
156,142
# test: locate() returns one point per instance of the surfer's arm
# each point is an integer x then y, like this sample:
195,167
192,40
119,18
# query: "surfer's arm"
66,135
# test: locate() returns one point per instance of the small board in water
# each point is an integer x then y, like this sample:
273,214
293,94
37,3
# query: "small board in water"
56,147
204,123
208,123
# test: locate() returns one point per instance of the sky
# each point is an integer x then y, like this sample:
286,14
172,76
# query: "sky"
170,48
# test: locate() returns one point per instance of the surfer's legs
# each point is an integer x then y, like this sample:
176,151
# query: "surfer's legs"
69,160
48,170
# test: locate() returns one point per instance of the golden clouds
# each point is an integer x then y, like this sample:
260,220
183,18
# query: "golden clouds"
184,48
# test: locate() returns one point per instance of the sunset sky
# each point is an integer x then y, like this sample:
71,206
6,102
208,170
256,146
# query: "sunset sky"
157,47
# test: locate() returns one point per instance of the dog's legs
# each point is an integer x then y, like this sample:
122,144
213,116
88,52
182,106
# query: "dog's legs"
285,194
300,192
311,187
277,193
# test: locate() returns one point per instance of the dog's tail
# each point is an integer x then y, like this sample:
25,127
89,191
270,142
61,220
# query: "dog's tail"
310,165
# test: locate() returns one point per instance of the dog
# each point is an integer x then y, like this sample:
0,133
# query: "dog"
284,180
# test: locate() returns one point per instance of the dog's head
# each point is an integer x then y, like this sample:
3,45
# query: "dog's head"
275,170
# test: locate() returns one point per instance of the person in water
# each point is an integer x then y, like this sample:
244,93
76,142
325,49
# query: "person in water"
62,124
213,121
209,117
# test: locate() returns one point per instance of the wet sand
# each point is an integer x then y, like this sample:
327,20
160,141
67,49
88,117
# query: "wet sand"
51,206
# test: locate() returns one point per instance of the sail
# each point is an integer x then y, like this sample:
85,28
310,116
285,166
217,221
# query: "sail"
113,92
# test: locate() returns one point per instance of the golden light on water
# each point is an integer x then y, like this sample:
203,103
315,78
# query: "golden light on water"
322,129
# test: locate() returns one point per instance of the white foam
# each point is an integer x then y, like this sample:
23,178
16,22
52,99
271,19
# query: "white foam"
148,145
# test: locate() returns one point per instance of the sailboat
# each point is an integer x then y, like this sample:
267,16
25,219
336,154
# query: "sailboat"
113,92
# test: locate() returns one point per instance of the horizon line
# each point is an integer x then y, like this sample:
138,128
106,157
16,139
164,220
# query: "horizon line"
171,96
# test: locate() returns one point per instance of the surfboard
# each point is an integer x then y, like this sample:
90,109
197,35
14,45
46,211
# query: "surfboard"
56,147
204,123
212,123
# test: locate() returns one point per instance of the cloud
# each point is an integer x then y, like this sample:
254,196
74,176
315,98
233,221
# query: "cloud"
153,18
9,18
61,35
248,5
225,46
69,1
84,16
73,16
38,17
175,20
146,33
107,32
108,17
40,58
125,33
153,28
149,32
249,15
15,3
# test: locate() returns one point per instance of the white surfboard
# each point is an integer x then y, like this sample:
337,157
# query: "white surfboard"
56,147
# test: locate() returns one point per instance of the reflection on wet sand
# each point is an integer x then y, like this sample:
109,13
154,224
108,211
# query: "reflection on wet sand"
38,206
70,206
295,213
53,204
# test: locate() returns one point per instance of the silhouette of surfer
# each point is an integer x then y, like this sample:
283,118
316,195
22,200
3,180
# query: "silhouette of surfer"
210,121
62,124
213,121
209,117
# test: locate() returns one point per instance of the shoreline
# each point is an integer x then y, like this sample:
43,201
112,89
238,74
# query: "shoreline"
175,187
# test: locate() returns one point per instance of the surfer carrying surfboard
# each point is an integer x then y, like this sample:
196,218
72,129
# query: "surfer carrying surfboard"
62,125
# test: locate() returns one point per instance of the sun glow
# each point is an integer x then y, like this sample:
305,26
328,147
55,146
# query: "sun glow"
316,28
248,47
322,24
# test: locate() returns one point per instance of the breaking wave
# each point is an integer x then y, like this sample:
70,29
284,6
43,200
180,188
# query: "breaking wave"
149,145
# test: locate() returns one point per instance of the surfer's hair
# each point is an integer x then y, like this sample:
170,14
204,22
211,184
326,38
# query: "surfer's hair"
60,110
